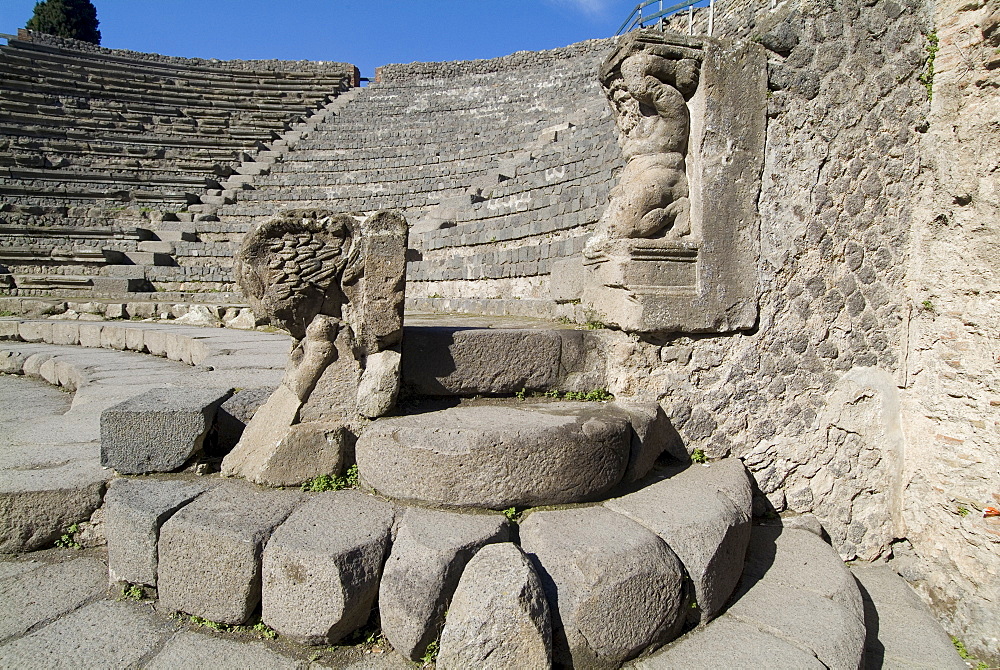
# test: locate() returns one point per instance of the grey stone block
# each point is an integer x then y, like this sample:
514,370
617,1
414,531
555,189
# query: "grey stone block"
902,630
498,456
499,617
235,413
428,555
119,285
54,590
105,634
615,588
37,504
706,530
134,510
159,430
322,566
209,551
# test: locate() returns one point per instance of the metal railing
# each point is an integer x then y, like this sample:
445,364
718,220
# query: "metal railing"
659,13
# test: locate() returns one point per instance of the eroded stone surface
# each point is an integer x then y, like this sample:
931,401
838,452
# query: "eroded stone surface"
615,588
322,566
499,617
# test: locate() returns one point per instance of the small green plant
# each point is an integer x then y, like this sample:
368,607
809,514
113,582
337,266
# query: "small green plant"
565,319
208,623
6,312
512,514
551,393
927,78
522,394
431,654
260,629
68,541
349,480
132,592
435,296
927,306
593,324
698,456
597,395
264,631
964,654
963,511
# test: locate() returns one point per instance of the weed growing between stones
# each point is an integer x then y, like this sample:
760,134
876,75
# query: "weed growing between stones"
927,306
512,514
349,480
430,656
965,656
259,629
595,395
132,592
927,78
6,312
963,511
698,456
68,539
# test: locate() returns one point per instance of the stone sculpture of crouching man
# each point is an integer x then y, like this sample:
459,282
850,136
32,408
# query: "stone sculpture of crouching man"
648,94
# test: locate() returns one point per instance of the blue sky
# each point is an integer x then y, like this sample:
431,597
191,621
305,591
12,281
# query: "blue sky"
367,33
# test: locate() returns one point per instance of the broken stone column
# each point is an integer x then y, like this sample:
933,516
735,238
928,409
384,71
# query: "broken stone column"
337,286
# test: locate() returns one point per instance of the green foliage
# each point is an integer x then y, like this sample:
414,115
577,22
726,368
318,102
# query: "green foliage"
522,394
349,480
76,19
6,312
68,541
698,456
927,305
593,324
927,78
965,655
132,592
264,631
597,395
259,629
512,514
431,654
963,511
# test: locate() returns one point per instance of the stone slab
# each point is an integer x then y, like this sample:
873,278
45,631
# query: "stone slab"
159,430
322,566
615,588
209,552
105,634
729,643
431,550
499,617
498,456
196,650
134,510
902,630
48,591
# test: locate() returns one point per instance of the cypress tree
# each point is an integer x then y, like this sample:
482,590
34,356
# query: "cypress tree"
66,18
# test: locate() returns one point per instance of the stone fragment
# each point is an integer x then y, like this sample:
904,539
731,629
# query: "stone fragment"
708,531
243,319
209,552
499,617
159,430
379,384
322,566
497,456
12,362
615,588
200,315
105,634
428,555
653,435
37,505
307,450
54,590
134,511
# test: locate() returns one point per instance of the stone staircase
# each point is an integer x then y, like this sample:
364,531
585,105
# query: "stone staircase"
499,531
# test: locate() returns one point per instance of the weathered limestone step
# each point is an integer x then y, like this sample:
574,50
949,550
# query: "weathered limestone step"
797,606
502,455
902,631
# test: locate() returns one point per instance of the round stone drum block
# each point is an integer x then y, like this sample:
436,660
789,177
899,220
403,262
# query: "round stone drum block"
498,456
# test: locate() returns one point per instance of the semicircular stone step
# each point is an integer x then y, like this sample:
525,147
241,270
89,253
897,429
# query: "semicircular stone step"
499,456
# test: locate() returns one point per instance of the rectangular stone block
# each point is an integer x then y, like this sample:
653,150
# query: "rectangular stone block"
135,339
8,330
65,332
119,285
125,271
90,334
113,337
35,331
158,431
210,551
155,342
134,511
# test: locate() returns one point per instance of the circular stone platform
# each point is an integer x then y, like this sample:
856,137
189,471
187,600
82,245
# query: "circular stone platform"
498,456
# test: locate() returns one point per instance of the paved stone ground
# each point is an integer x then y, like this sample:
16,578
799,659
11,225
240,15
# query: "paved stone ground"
55,612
